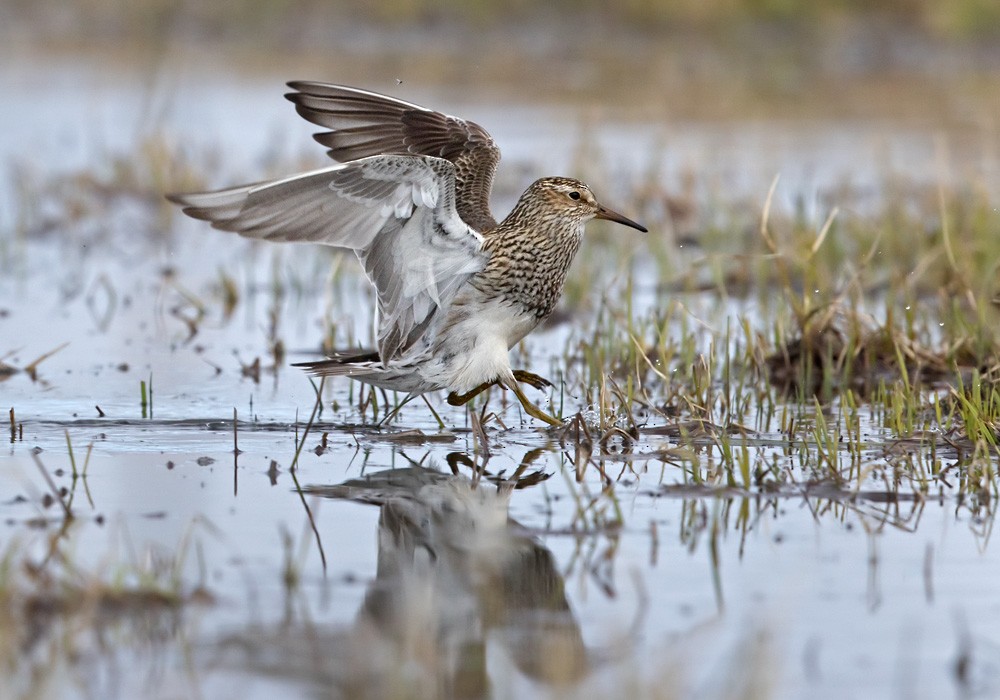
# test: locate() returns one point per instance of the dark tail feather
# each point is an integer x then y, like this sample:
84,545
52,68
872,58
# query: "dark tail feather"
342,363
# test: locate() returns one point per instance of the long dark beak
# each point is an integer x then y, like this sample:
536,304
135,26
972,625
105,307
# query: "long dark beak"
605,213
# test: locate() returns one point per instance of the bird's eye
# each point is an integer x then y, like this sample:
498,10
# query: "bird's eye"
574,195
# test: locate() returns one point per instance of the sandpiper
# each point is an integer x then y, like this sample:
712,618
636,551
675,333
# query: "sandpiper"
455,289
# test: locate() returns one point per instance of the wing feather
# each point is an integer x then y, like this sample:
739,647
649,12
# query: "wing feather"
397,213
364,123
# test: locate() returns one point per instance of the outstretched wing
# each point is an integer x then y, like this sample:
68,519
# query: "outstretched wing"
396,212
365,123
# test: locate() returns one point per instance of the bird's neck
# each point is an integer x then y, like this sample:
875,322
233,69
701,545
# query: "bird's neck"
543,223
530,253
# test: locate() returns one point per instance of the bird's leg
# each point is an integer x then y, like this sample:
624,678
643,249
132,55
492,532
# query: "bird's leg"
532,409
523,375
520,375
456,399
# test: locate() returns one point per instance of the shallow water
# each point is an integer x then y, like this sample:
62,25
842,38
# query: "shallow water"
821,595
660,584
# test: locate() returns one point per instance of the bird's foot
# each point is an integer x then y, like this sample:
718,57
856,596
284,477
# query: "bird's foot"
520,375
456,399
523,375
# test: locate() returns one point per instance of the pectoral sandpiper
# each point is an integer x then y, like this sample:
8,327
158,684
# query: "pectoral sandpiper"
455,289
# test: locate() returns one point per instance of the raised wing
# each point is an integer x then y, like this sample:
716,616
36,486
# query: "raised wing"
396,212
366,123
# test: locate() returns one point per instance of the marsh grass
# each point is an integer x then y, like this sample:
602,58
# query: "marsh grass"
857,323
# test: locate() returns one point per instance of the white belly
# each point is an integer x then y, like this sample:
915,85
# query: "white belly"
473,347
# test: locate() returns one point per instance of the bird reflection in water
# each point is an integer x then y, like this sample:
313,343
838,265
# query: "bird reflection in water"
458,584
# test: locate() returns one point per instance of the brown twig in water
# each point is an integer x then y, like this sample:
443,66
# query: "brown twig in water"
53,487
32,367
236,454
479,434
295,478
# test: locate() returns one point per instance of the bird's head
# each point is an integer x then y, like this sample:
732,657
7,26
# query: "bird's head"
572,198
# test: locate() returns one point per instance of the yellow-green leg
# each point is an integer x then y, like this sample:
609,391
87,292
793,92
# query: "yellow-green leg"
531,409
520,375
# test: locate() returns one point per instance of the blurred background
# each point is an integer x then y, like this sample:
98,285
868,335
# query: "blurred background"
681,58
710,77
